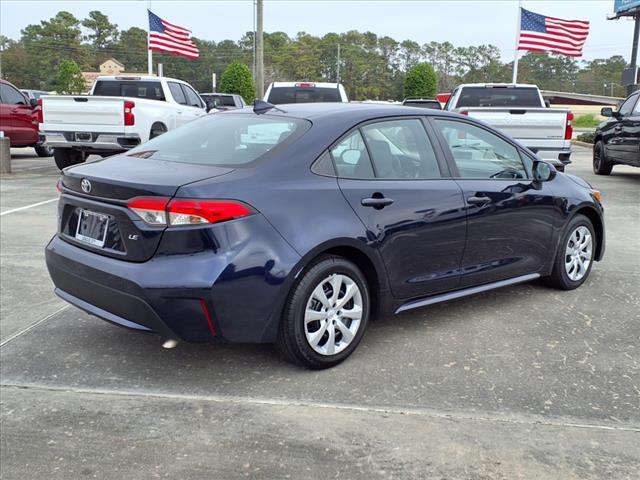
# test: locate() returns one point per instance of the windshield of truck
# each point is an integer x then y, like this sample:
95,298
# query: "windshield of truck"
499,97
115,88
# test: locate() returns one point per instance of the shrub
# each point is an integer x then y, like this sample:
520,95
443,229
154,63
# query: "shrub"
586,137
237,79
70,79
585,121
421,81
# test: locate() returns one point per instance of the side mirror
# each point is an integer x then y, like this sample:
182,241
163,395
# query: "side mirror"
606,112
33,102
543,171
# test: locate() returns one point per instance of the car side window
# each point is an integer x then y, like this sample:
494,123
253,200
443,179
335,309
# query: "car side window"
627,107
177,93
480,154
11,96
351,157
400,149
193,99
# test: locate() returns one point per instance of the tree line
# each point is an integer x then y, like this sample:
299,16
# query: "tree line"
370,66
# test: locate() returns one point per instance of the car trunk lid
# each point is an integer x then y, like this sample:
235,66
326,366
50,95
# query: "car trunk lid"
93,207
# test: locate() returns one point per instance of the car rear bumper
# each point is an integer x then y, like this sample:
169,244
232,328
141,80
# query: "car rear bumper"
231,293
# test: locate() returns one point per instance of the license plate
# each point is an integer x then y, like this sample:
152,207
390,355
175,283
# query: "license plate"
92,228
83,136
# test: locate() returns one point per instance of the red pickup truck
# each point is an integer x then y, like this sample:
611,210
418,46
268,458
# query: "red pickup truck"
19,119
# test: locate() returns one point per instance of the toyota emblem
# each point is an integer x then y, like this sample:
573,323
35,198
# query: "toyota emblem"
85,185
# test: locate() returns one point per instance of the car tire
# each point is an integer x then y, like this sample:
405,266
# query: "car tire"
321,331
575,255
157,129
66,157
601,165
44,151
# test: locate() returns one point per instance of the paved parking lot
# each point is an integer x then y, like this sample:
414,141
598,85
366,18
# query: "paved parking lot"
524,382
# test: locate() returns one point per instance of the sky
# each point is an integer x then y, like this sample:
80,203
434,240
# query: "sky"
463,23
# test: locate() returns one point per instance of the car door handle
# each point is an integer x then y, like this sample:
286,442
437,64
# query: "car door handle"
376,202
478,199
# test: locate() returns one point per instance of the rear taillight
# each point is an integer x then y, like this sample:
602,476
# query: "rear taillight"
39,114
464,112
129,117
305,85
183,211
568,130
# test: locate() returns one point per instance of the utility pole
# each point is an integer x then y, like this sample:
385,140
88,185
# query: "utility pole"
259,49
338,66
634,51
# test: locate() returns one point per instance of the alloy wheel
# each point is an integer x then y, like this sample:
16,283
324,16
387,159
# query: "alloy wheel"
578,253
333,314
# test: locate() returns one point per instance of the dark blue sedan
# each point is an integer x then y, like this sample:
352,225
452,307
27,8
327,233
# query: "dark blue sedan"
297,225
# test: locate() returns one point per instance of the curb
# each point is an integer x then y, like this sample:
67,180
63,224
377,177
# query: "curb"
582,144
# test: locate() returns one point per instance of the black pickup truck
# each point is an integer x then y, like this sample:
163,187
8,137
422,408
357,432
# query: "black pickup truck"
617,139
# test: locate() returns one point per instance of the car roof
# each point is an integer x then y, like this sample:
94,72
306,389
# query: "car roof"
142,78
220,94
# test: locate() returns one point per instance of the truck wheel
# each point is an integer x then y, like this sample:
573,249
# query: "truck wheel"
44,151
601,166
65,157
157,129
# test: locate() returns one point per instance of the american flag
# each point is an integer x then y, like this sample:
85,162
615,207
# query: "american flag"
539,33
167,37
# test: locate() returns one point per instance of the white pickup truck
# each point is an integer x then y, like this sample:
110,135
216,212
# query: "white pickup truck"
519,111
119,113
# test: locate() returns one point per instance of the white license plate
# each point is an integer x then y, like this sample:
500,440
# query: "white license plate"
92,228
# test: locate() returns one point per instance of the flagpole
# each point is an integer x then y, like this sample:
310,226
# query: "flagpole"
516,53
149,51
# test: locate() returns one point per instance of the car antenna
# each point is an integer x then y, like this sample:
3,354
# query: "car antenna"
260,107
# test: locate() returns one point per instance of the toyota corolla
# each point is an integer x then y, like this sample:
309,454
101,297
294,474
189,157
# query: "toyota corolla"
297,225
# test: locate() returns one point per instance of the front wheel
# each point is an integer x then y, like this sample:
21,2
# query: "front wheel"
601,165
65,157
326,314
574,259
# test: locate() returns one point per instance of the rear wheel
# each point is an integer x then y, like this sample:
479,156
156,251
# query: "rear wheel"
575,255
44,151
65,157
601,165
157,129
326,314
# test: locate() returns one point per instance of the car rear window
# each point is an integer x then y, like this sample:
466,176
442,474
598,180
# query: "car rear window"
279,95
111,88
498,97
223,140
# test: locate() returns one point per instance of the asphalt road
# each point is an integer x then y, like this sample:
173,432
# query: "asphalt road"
525,382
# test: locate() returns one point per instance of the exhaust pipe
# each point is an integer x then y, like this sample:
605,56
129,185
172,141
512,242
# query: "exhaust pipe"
170,343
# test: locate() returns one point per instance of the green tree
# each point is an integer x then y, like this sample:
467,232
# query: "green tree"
102,32
70,79
237,79
421,81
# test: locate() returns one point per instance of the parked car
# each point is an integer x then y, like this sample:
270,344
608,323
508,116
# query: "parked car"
617,139
223,101
297,228
119,113
519,111
422,103
34,94
19,119
305,92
